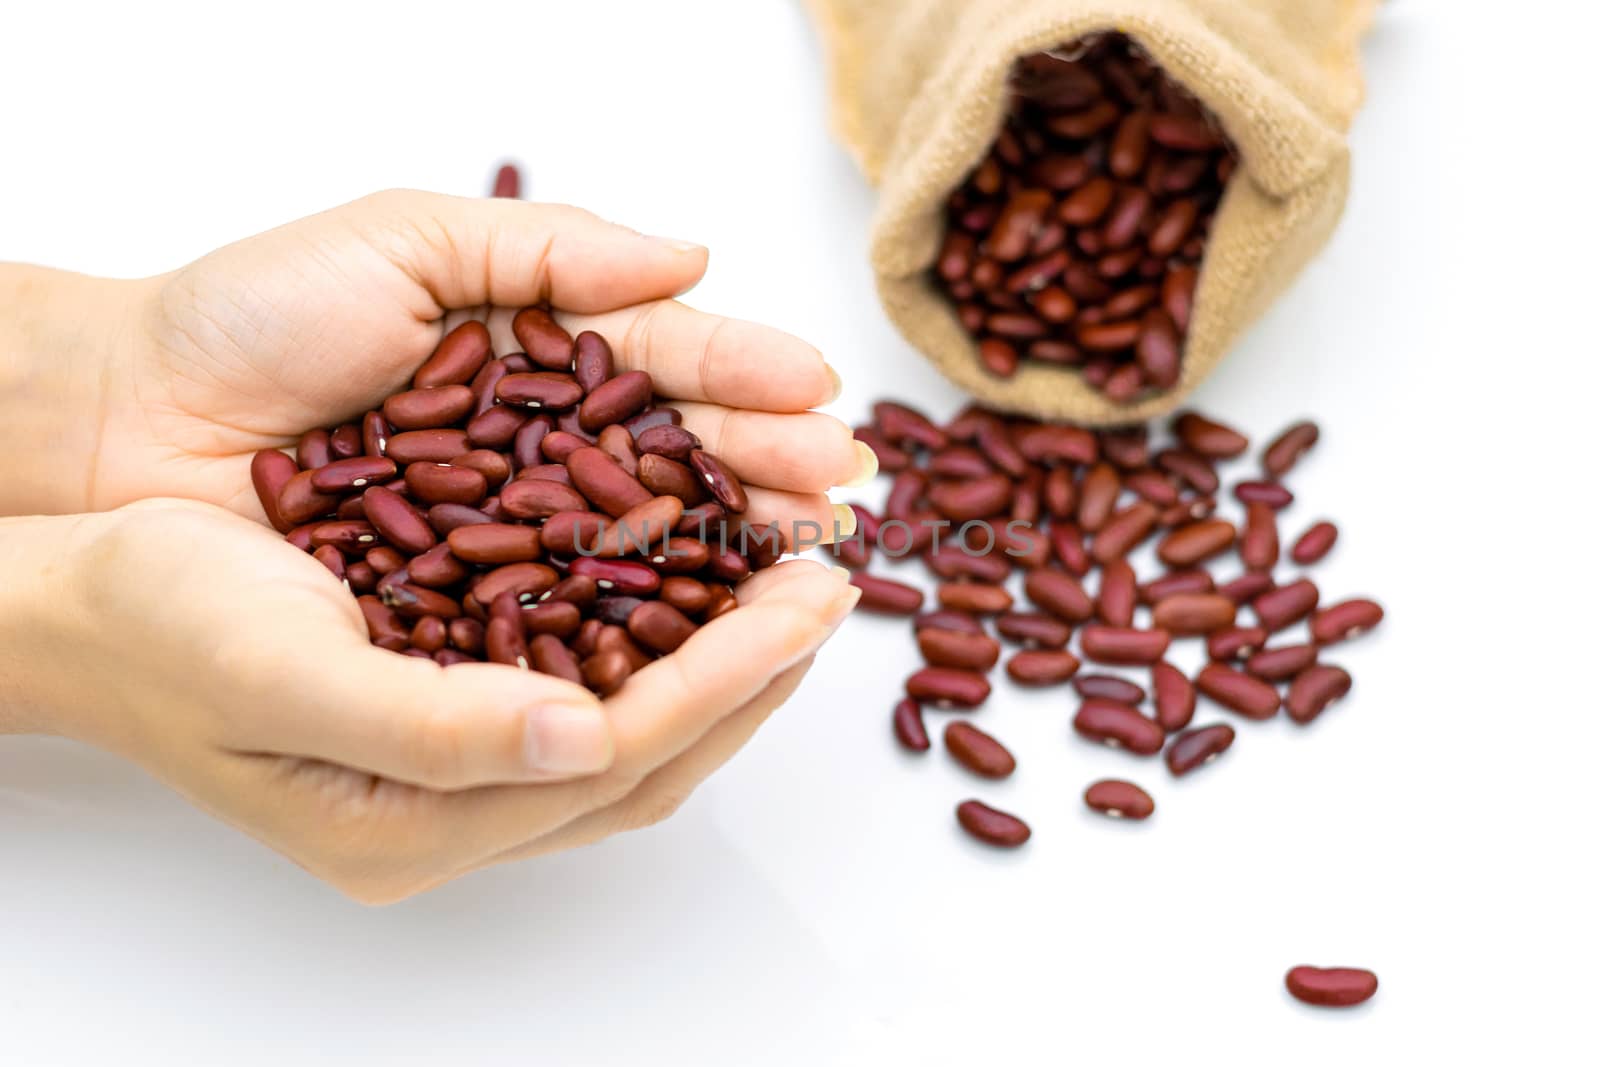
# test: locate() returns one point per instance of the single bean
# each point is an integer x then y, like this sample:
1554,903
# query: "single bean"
1236,691
722,483
948,687
673,442
1208,438
498,426
971,500
413,601
885,597
1119,800
1058,593
1331,987
992,826
1125,531
977,751
606,672
270,471
428,409
909,729
1195,748
1258,544
593,364
527,580
1344,620
1196,542
610,488
1245,588
1314,689
545,342
1037,667
1235,642
949,648
540,390
1192,614
1272,494
1287,448
1118,726
443,483
1278,664
1174,582
1286,605
459,357
615,400
1314,544
618,575
1174,696
1118,595
1035,630
427,446
1108,687
400,523
901,425
974,598
1121,646
660,626
549,656
315,449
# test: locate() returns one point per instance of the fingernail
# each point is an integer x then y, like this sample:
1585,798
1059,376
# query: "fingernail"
866,466
840,607
844,522
840,572
838,383
677,245
567,739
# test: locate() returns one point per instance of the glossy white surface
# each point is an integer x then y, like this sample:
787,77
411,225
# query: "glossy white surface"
815,903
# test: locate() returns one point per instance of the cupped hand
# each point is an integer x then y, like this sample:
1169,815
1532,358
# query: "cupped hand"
237,669
314,323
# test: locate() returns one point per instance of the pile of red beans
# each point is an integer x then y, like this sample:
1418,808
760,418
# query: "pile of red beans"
985,496
1077,242
538,509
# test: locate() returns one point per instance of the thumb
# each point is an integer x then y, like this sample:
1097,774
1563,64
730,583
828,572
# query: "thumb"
467,252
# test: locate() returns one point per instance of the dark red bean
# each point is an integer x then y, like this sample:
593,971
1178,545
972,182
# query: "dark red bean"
660,627
909,729
1040,631
270,471
498,426
1344,620
384,625
1118,726
977,751
951,562
495,543
1272,494
1119,594
974,598
1066,542
1126,530
1059,593
973,499
1314,544
1174,582
549,656
1239,692
992,826
581,590
1314,689
1277,664
890,458
1287,448
540,390
959,621
620,576
1279,608
348,535
1245,588
504,643
722,483
593,365
299,502
1331,987
1191,614
965,651
459,357
1190,468
1208,438
673,442
545,342
1037,667
1121,646
948,687
1108,687
427,409
400,523
344,475
885,597
436,568
615,400
527,580
1195,748
1174,696
413,601
1196,542
1119,800
599,478
1236,642
443,483
900,425
427,446
314,450
1258,543
1152,486
1053,444
605,672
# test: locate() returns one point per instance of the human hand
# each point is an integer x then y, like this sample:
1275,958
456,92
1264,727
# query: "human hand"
313,323
238,670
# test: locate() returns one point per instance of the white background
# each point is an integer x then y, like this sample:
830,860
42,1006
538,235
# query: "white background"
815,902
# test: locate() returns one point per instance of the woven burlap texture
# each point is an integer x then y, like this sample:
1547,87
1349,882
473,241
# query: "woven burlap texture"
919,91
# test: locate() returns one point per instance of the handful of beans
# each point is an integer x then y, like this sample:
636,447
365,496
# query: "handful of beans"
984,496
538,510
1078,240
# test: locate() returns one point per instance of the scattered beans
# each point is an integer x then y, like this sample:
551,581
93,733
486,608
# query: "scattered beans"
1077,240
415,508
1331,987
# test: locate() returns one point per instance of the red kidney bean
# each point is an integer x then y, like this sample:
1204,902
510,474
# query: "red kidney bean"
413,601
958,621
1174,582
1271,494
549,656
1331,987
1013,231
1097,496
620,576
527,580
1118,726
1190,468
974,598
722,483
890,459
615,400
643,421
909,729
427,446
610,488
494,466
949,648
1245,588
428,409
885,597
643,528
428,634
1119,594
1286,605
1152,486
673,442
1191,614
298,502
442,483
527,447
1036,667
1195,748
1277,664
345,441
1060,493
1258,544
992,826
539,390
1287,448
666,477
436,568
593,366
681,555
1051,445
977,751
948,687
702,520
1121,646
605,672
400,523
576,589
994,441
1236,642
384,625
1342,621
1059,593
504,643
1119,800
1208,438
1127,447
314,450
1314,544
497,427
1126,530
1174,696
1067,545
343,475
331,558
545,342
1239,692
459,357
660,627
385,560
494,543
347,535
902,425
1040,631
361,577
1196,542
973,499
1108,687
1314,689
270,472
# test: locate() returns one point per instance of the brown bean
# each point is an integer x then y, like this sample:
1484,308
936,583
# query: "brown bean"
1314,689
1172,227
606,485
1086,204
443,483
1272,494
545,342
1174,696
672,442
1130,146
1237,642
592,362
619,576
504,643
460,355
1052,444
495,543
413,601
1191,614
578,590
527,580
427,446
1246,587
1108,336
1258,544
331,558
436,568
1196,542
428,409
1118,726
885,597
1189,467
1119,800
615,400
1097,496
1277,664
298,502
384,625
497,427
1122,646
943,619
1331,987
1236,691
1344,620
1012,234
909,729
974,598
1124,532
1059,593
1174,582
270,471
721,481
343,475
315,449
1287,448
1108,687
904,425
1042,666
348,535
1177,294
539,390
400,523
1066,543
1314,544
971,499
992,826
1118,595
1286,605
948,648
977,751
948,687
549,656
1040,631
1195,748
605,672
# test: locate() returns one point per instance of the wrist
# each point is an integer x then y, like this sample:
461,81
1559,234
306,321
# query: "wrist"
63,344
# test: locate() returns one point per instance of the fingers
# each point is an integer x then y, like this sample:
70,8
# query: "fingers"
696,356
665,790
806,519
806,453
466,252
669,705
412,721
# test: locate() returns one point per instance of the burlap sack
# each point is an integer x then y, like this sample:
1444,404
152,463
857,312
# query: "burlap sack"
920,90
